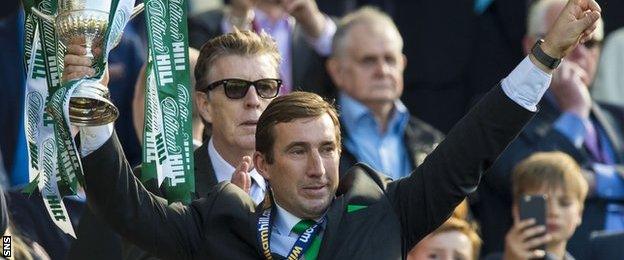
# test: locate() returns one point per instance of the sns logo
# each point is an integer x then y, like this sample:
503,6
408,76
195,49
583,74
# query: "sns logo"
6,246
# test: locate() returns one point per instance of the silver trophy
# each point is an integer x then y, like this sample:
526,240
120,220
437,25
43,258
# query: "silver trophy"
85,22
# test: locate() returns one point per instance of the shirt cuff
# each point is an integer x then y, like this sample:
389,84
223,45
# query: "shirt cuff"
323,44
93,137
609,184
526,84
572,127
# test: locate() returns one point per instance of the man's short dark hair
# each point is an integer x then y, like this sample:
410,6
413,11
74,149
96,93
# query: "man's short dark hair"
287,108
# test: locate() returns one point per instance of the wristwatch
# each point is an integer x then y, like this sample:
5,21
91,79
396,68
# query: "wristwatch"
542,57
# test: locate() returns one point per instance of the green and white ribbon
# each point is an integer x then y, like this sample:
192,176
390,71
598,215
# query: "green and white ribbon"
43,75
167,138
54,164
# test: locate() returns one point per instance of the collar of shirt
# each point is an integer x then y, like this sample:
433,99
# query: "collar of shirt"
223,170
353,112
282,239
285,221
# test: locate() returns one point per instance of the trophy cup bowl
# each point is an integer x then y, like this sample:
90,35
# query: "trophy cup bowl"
84,22
90,103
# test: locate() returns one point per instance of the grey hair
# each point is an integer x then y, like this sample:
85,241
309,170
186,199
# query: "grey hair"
367,15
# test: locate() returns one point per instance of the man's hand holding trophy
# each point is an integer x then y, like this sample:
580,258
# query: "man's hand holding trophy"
84,23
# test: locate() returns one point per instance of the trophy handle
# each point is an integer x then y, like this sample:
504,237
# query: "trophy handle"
43,16
136,10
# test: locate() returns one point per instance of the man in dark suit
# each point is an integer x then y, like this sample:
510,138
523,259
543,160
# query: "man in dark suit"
569,121
297,151
377,128
302,32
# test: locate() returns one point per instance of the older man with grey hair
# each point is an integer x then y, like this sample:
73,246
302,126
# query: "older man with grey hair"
571,121
367,66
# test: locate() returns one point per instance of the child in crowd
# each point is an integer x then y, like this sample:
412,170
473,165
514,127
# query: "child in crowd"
456,239
559,178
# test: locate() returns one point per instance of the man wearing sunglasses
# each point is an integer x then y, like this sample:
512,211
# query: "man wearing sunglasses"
571,121
237,76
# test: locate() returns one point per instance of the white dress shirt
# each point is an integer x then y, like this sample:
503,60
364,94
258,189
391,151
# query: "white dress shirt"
223,171
526,84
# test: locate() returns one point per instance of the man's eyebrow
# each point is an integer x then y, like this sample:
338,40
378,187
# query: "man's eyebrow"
293,144
328,143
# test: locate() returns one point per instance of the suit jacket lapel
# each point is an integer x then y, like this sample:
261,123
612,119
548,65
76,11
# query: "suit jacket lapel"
204,172
334,216
606,124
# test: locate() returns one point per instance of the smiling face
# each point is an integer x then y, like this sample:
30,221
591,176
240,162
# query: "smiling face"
304,171
234,120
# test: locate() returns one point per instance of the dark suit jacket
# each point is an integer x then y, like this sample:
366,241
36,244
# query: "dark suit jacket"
420,140
493,204
205,179
399,213
97,241
308,68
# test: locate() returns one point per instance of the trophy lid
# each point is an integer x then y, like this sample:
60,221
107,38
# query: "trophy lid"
75,5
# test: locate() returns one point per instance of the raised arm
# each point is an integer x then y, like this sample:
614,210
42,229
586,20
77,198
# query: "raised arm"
427,198
113,194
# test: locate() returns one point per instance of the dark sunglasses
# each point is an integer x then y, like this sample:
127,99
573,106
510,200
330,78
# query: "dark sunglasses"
237,88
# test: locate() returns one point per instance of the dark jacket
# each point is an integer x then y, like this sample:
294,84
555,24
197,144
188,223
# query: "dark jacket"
493,202
420,140
205,180
308,68
398,214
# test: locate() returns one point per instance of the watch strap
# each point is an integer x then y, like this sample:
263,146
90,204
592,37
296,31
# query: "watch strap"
542,57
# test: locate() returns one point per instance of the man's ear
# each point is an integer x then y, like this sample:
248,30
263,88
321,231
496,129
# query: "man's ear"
203,105
334,69
404,61
262,166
